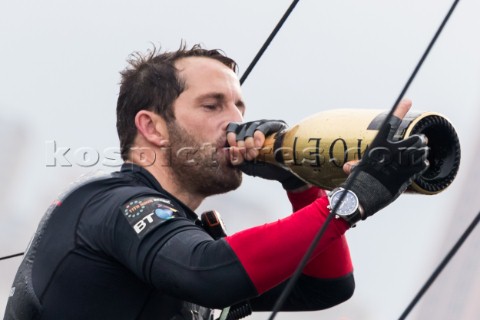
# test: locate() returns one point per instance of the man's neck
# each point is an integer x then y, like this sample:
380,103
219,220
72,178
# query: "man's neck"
170,184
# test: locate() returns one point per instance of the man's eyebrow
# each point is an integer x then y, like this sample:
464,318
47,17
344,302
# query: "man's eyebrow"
214,95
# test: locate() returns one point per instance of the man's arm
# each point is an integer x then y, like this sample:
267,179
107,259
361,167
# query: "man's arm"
327,279
335,261
180,259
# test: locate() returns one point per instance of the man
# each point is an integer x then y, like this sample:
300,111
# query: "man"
129,245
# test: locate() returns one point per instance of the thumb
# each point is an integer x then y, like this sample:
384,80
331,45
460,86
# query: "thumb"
350,166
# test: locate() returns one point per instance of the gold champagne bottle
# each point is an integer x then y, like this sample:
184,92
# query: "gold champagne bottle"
316,148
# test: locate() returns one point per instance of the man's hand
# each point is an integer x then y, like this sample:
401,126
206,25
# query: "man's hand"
399,112
388,167
245,140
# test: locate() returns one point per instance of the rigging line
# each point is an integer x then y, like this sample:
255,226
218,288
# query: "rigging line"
291,283
245,74
12,256
419,64
441,266
268,41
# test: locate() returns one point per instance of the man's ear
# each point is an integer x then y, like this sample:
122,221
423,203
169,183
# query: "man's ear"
152,127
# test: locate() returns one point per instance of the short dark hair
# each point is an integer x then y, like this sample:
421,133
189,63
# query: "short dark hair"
151,82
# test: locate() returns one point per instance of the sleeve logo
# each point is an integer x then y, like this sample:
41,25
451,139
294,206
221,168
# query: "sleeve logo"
145,213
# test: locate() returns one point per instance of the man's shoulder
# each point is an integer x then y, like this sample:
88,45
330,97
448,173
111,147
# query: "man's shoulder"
116,198
98,194
118,185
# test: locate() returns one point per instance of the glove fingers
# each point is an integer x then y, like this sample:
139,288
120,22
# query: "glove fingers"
414,141
416,158
233,127
252,128
388,130
415,151
394,124
245,130
241,133
270,127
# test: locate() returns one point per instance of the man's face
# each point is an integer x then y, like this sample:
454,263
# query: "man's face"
211,100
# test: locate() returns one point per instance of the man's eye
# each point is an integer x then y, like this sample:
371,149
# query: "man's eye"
210,106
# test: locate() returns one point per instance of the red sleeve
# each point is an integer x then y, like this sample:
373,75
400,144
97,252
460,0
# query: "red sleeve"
304,198
335,261
270,253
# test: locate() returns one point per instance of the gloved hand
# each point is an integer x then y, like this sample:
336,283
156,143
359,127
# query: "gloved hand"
257,168
388,168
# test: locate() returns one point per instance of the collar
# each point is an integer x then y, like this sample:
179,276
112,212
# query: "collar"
146,177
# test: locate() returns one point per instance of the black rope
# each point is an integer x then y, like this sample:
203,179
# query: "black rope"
12,256
419,64
441,266
268,41
291,283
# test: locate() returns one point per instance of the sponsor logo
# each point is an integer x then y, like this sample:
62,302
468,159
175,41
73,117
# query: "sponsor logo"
144,214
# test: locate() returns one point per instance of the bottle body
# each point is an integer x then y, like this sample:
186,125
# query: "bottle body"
316,148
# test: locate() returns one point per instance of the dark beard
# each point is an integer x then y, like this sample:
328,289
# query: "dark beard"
201,168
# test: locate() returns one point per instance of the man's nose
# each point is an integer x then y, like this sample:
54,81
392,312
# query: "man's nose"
234,115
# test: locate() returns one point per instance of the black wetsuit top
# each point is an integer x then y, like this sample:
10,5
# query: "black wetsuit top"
118,246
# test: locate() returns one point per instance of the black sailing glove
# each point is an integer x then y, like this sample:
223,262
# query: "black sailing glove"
388,168
257,168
